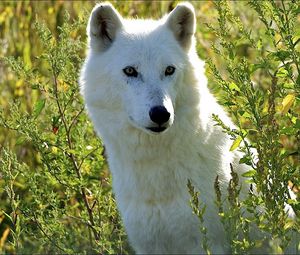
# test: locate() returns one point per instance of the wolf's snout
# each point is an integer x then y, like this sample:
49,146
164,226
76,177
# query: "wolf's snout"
159,114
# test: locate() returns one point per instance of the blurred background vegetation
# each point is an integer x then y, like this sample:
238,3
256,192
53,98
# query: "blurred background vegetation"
19,38
27,184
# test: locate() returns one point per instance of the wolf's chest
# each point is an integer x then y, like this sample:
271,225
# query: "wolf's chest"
156,226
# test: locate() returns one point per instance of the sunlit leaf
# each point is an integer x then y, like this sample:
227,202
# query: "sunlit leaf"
287,103
4,237
236,143
249,173
282,72
233,86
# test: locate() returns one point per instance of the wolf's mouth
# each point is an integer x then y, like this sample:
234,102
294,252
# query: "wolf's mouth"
157,129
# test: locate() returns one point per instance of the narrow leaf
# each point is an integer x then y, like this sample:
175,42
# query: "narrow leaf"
297,124
236,143
298,80
282,72
287,103
233,86
38,107
249,173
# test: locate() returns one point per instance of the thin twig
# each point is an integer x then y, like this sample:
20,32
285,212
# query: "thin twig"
75,118
71,155
87,155
45,234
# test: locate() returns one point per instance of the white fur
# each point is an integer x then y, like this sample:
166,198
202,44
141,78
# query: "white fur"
149,170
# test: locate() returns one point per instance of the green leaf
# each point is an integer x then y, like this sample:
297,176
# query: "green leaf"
287,131
296,41
249,173
296,11
8,216
236,143
245,160
233,86
282,72
34,86
245,115
20,140
298,80
287,103
282,55
297,124
250,181
289,224
228,103
254,67
74,152
289,85
292,202
38,107
259,44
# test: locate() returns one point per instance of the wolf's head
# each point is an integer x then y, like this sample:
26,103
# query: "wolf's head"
135,68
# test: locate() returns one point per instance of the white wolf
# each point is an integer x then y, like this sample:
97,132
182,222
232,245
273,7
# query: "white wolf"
146,93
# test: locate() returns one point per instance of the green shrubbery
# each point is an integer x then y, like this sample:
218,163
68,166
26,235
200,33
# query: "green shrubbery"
57,196
68,210
263,97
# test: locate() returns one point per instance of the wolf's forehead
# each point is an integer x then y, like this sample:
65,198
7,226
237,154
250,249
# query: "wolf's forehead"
147,41
135,26
145,32
144,43
146,49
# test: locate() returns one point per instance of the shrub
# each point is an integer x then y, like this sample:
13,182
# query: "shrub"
64,205
263,97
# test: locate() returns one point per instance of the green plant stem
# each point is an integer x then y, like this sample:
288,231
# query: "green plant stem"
71,155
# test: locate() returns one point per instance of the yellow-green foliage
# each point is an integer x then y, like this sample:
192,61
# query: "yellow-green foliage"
55,187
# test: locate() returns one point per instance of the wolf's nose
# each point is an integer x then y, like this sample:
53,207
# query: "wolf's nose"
159,114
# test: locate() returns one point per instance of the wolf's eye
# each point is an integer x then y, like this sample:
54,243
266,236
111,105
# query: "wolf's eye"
130,71
169,70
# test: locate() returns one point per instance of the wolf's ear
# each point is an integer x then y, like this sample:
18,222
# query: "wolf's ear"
182,23
103,25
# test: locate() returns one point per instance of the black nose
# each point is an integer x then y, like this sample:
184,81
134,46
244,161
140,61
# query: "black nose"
159,114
